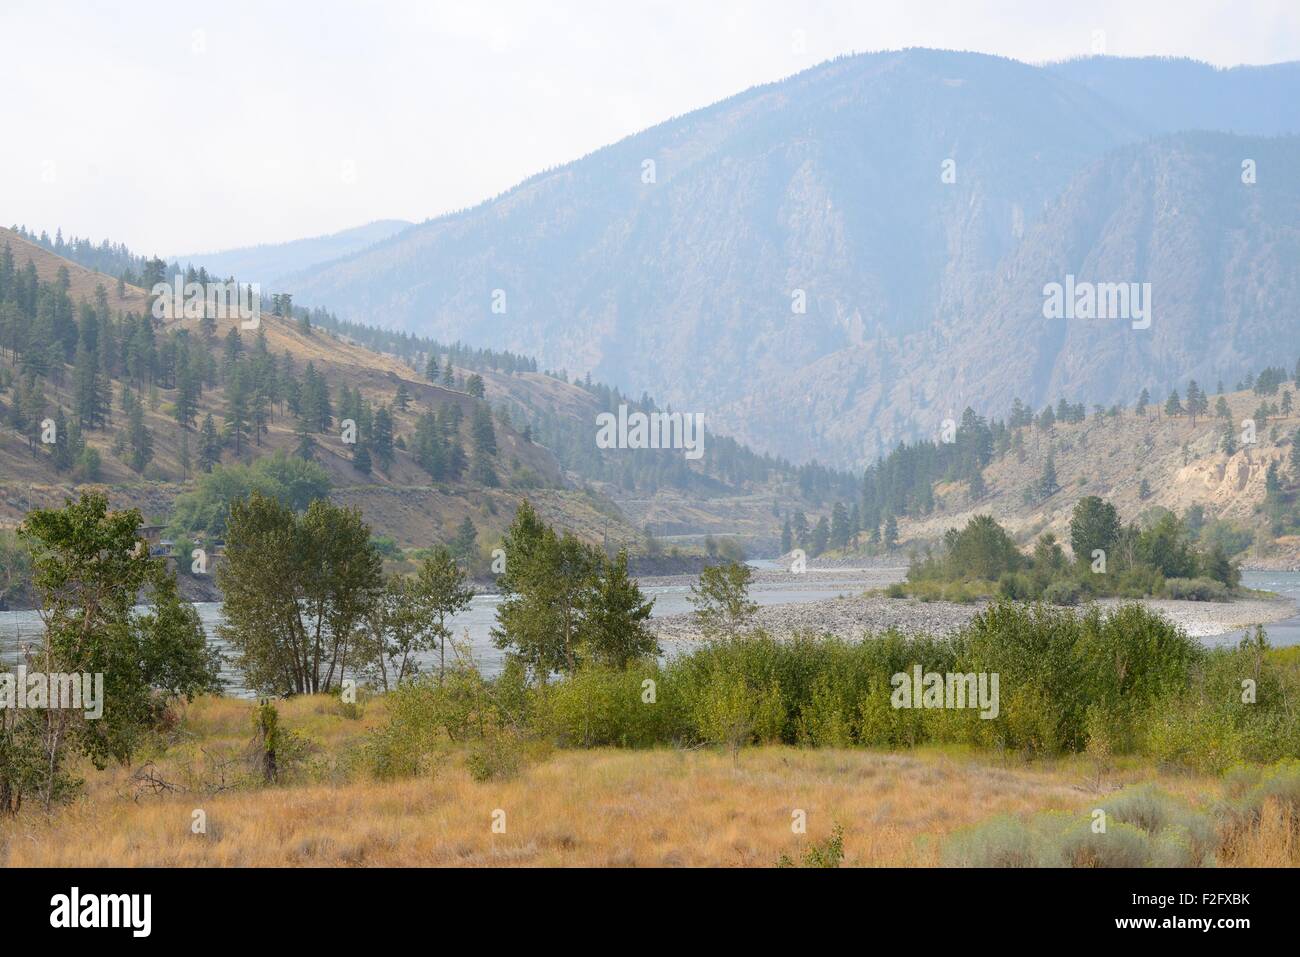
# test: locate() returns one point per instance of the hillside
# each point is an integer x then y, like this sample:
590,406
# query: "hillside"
919,292
146,366
121,406
1183,466
82,282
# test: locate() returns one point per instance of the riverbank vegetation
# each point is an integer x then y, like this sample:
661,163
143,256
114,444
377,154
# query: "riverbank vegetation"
88,568
586,702
1106,559
1126,683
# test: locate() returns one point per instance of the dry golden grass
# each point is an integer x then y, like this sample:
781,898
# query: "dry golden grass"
596,808
82,282
1272,843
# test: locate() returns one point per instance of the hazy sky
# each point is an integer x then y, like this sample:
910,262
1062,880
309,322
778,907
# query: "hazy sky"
182,127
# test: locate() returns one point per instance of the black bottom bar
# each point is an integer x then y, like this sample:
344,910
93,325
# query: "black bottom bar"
333,906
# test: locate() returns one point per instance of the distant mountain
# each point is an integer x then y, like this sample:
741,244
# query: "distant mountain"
269,264
923,295
1221,258
1165,94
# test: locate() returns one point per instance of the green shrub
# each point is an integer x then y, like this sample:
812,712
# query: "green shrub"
1196,589
606,707
1015,587
1079,845
494,757
827,853
1001,842
1062,592
1138,828
1184,837
1111,682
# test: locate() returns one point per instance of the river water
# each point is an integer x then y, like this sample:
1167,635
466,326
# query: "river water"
475,623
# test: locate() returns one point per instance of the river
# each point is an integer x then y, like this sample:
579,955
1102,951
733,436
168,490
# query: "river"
475,623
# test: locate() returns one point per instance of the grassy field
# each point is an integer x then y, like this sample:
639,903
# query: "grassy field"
604,807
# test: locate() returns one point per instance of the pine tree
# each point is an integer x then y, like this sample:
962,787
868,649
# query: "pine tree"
482,431
88,390
839,526
306,448
1197,403
361,458
611,630
259,414
891,532
141,439
209,445
63,454
801,530
382,438
820,537
236,414
1047,484
1143,400
464,546
187,396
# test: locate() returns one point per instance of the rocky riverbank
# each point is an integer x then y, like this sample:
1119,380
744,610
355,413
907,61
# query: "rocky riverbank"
854,616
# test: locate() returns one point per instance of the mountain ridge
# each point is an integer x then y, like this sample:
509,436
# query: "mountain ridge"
827,182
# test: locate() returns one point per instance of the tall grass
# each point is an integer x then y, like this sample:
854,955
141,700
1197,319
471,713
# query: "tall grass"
1124,682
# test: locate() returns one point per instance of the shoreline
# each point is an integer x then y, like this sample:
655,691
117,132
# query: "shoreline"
851,617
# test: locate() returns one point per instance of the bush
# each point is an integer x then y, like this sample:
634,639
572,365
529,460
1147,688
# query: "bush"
958,592
1015,587
600,707
1079,845
1063,592
1001,842
494,757
1120,682
1184,837
1196,589
825,854
1138,828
